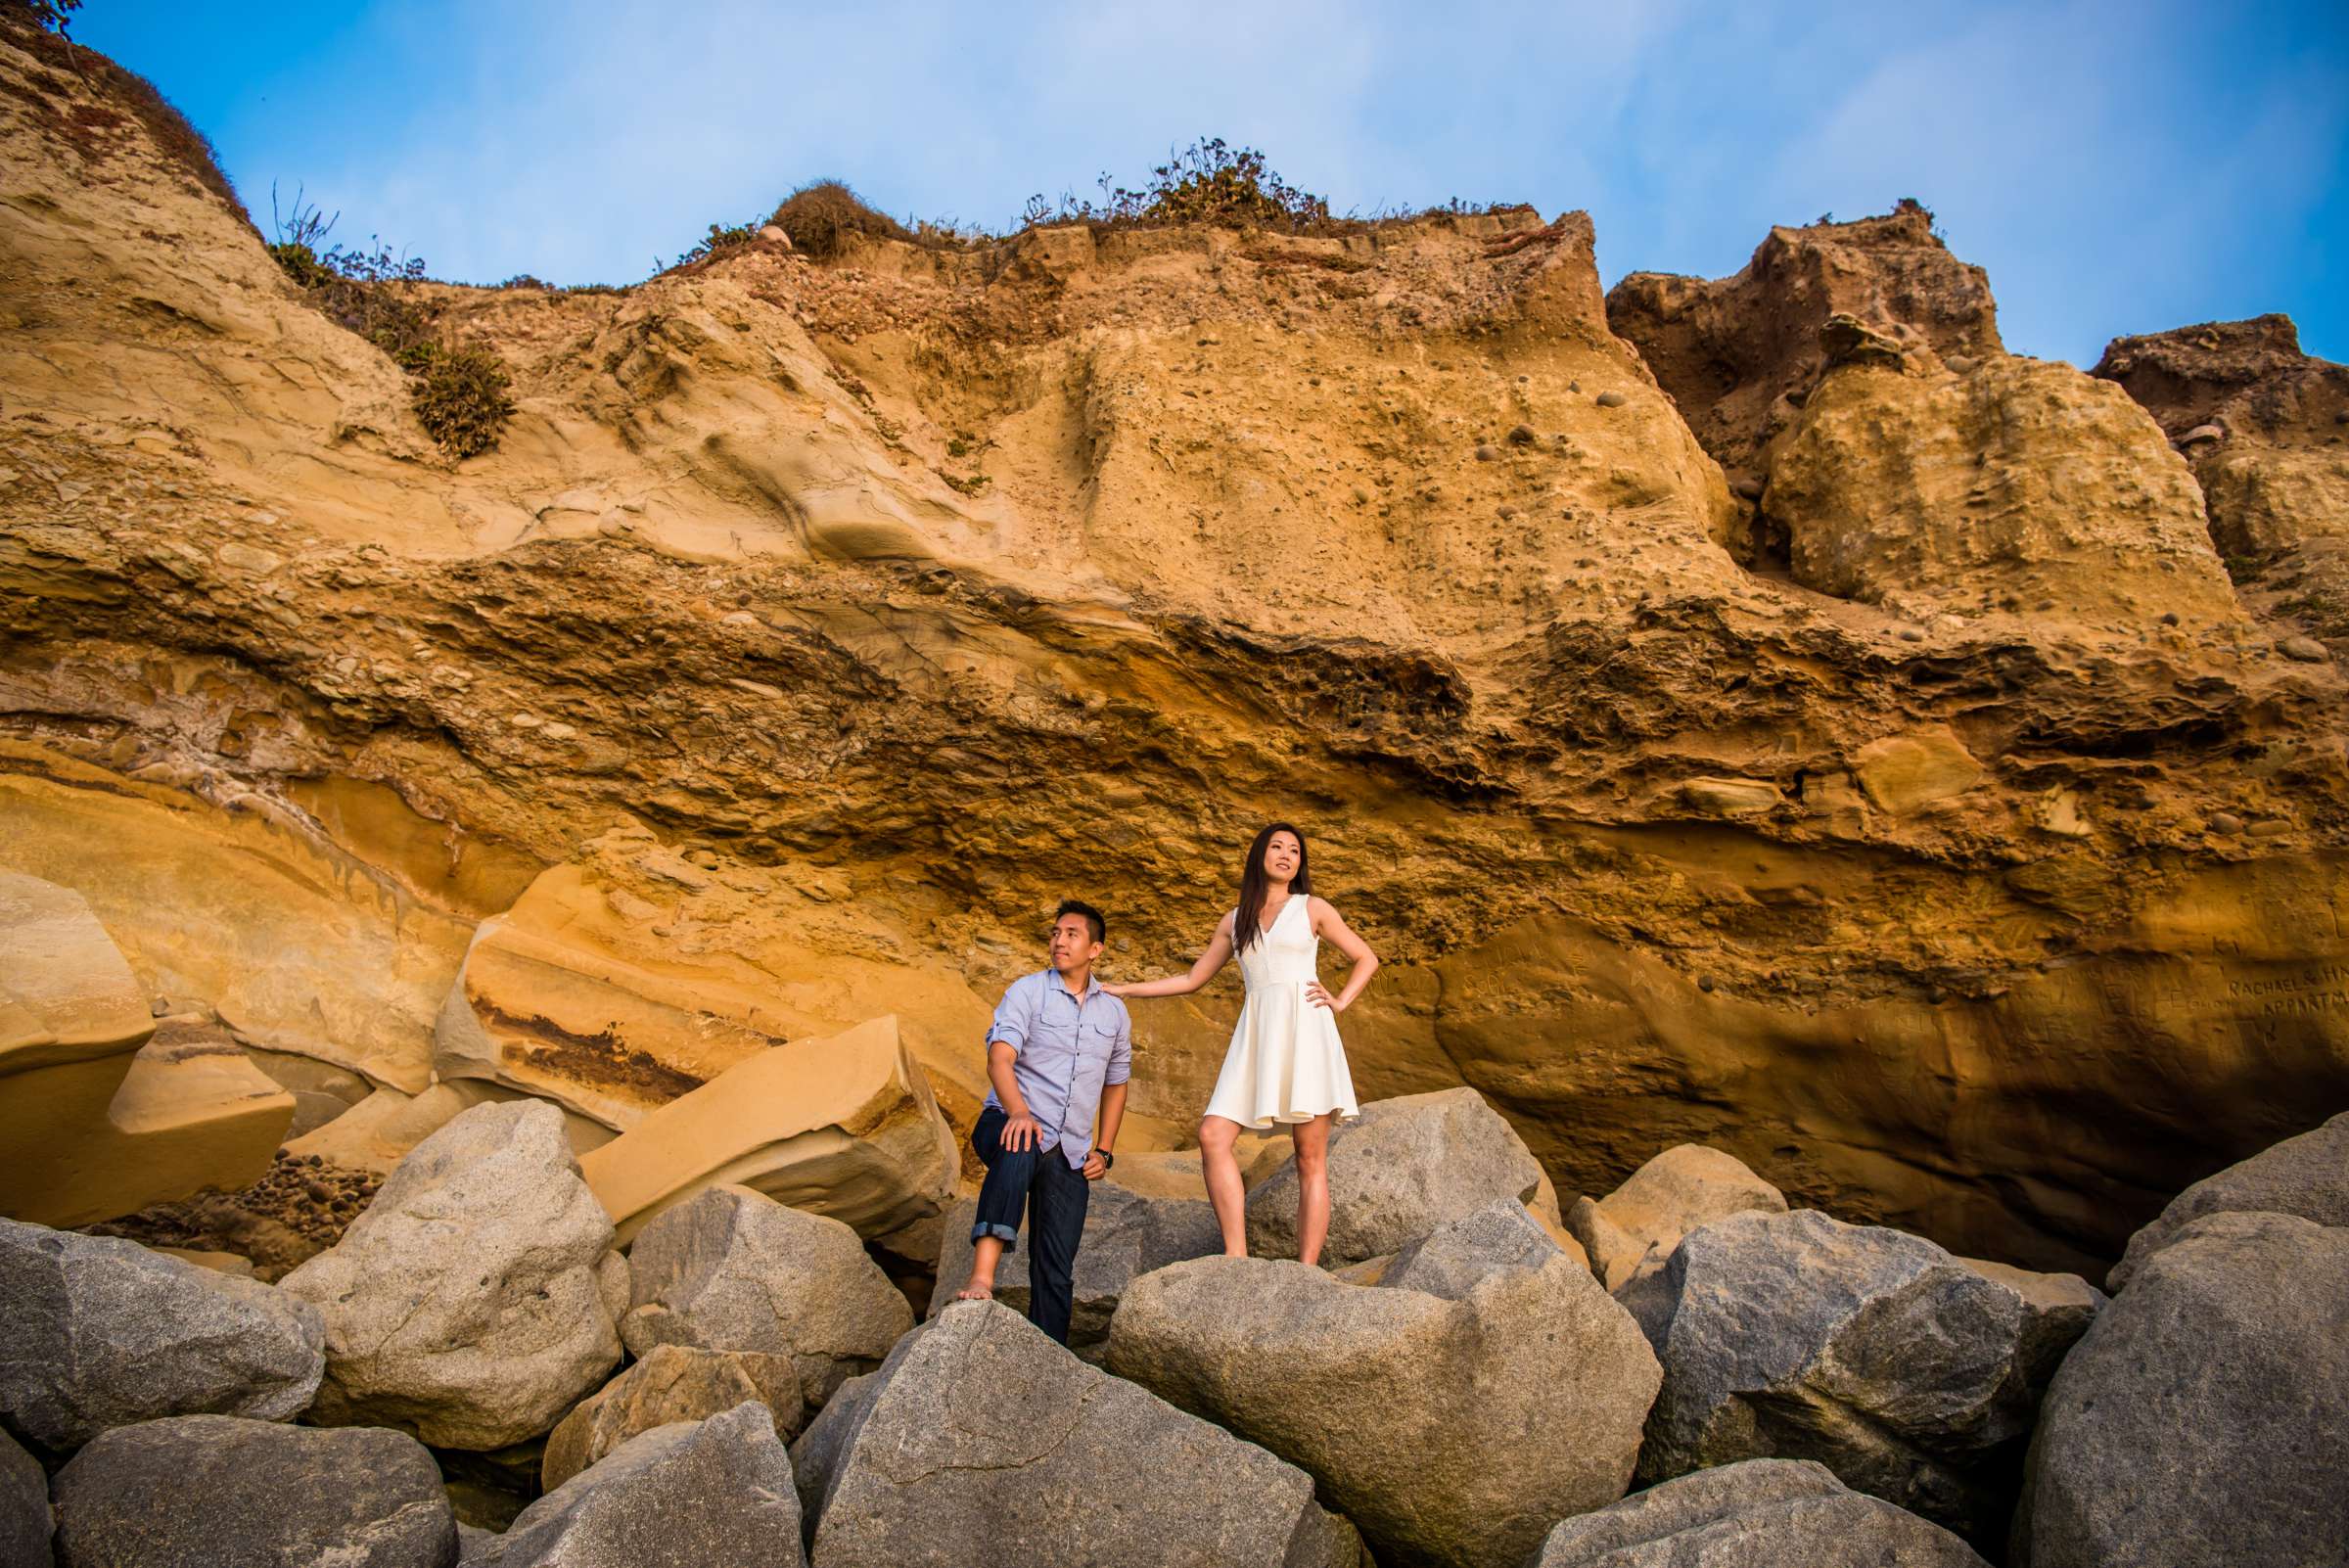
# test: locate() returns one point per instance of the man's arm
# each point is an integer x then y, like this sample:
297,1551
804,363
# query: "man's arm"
1015,1015
1113,1102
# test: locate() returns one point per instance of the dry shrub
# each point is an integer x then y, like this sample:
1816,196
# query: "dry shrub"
820,217
460,397
37,26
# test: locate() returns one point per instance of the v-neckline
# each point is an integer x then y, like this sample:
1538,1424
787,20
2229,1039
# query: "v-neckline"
1285,911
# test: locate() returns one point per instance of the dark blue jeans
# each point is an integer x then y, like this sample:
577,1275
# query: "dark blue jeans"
1055,1198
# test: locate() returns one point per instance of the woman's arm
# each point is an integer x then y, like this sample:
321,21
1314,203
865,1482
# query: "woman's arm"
1218,954
1331,928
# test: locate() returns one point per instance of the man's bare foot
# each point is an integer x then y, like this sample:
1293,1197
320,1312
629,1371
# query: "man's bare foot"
977,1290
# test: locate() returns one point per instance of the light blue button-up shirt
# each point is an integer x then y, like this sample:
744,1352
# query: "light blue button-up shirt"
1070,1049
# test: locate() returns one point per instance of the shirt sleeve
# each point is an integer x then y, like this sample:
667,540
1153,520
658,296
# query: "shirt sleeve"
1121,1054
1015,1016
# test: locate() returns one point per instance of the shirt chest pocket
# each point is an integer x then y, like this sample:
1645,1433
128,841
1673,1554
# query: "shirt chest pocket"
1094,1043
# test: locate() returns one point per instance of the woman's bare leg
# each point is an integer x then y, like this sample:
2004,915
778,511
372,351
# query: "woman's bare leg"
1216,1135
1311,1139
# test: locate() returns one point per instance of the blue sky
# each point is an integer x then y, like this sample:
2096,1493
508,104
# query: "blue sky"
2118,168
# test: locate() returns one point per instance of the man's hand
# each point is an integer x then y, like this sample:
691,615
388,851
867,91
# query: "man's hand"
1021,1131
1095,1167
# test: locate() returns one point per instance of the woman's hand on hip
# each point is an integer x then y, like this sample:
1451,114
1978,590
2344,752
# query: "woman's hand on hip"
1317,993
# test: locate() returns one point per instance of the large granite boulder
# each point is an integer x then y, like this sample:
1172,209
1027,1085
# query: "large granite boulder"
844,1127
1405,1167
980,1440
673,1383
1632,1229
2199,1422
1451,1259
1125,1235
715,1494
468,1304
99,1119
25,1525
2307,1175
1908,1372
204,1491
1448,1431
733,1270
1758,1513
103,1333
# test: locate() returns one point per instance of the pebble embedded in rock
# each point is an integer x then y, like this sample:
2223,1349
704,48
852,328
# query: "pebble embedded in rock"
1521,435
1612,399
2307,650
2226,822
2202,433
1486,454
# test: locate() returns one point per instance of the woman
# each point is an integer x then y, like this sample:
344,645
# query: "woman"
1285,1064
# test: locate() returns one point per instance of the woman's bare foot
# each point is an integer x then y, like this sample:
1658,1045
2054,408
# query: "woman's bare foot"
977,1290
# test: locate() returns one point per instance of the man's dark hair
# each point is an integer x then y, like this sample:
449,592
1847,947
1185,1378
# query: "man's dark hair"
1092,916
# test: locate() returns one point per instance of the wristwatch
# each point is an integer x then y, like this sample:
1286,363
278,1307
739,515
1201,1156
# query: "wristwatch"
1109,1160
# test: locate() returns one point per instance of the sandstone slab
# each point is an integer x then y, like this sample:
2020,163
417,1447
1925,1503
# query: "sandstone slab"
980,1440
1634,1229
199,1491
2305,1176
1756,1513
844,1127
1448,1431
2198,1420
1125,1235
1907,1372
465,1303
672,1383
733,1270
105,1333
715,1492
1405,1167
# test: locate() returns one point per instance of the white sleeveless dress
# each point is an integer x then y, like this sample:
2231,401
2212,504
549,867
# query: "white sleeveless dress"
1285,1063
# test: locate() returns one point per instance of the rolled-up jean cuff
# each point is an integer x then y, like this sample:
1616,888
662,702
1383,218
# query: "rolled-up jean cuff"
1003,1233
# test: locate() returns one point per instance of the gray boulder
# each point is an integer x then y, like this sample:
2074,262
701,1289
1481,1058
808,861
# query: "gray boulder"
1910,1374
2201,1421
981,1440
1449,1259
2307,1175
1634,1229
464,1305
1759,1513
1125,1235
204,1491
673,1383
1448,1431
713,1494
104,1333
1407,1166
734,1270
25,1523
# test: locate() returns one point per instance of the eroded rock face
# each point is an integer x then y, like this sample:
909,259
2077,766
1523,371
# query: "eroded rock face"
1903,1369
1125,1235
1634,1229
464,1306
1448,1430
714,1492
1756,1513
672,1383
836,578
2307,1175
2198,1420
105,1333
1052,1460
735,1270
196,1491
1739,354
1409,1165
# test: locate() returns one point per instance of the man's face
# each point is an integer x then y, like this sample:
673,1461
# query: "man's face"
1072,943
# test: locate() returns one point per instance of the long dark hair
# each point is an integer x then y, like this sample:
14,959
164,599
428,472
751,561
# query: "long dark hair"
1254,885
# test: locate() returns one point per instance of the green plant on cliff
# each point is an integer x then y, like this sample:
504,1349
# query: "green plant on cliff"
459,392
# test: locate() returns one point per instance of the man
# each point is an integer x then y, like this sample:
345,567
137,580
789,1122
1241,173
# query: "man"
1060,1048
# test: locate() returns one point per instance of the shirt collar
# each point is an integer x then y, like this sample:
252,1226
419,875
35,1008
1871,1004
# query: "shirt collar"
1053,982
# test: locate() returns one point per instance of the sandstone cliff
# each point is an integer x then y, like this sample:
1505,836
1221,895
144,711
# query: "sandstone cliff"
1936,826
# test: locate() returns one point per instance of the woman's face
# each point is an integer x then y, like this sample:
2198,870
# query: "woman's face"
1281,856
